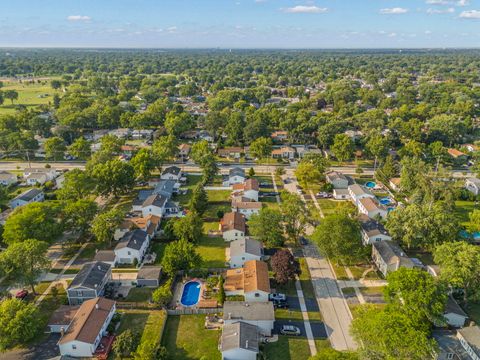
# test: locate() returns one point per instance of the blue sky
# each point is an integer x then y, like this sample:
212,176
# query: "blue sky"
240,23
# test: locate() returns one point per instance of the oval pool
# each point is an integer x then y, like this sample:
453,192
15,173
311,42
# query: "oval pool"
370,184
191,293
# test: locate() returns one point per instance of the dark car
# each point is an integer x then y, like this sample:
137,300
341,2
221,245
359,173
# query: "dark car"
280,304
22,294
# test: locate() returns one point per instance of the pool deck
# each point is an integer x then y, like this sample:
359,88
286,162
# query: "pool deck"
202,302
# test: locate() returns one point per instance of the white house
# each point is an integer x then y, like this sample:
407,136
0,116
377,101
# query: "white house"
154,205
388,257
260,314
133,245
7,178
239,341
106,256
395,183
337,179
233,226
454,314
371,208
236,175
372,231
36,179
87,328
285,152
251,281
341,194
171,173
49,173
470,339
358,192
29,196
473,185
249,189
243,250
246,207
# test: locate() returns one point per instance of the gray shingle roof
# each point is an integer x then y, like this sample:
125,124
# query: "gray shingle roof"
165,188
390,251
240,335
453,307
155,200
248,246
372,227
472,335
236,171
133,239
91,275
242,310
174,170
28,195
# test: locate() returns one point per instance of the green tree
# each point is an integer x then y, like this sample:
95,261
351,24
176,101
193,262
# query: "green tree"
261,148
79,214
25,261
163,294
307,174
294,214
150,350
11,95
113,177
390,334
387,170
105,224
32,221
125,344
55,148
77,185
417,294
251,172
343,147
199,200
80,148
143,164
180,255
338,238
20,322
266,227
175,123
377,146
473,224
164,149
188,228
460,262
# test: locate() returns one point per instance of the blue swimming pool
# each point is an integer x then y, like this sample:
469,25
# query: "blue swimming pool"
466,235
385,201
370,184
191,293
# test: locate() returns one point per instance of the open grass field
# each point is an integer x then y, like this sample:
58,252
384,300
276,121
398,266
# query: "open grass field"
29,95
463,209
292,348
186,338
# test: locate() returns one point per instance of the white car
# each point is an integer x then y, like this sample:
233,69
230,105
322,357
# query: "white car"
290,330
277,297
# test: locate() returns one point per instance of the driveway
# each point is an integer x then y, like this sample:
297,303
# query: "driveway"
318,328
46,350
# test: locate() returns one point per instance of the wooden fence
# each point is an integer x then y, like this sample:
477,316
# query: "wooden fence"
193,311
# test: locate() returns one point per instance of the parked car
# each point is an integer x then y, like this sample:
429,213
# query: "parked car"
323,195
280,304
21,294
265,185
277,297
290,330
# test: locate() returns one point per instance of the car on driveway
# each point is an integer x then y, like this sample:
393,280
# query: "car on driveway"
290,330
277,297
22,294
323,195
280,304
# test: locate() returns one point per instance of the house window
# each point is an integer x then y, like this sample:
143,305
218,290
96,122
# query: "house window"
257,295
74,347
449,356
243,258
129,253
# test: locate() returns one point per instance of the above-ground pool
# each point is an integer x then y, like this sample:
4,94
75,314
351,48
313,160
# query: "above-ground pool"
191,293
370,184
385,201
466,235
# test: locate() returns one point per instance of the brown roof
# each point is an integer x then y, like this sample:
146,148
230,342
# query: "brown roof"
184,147
252,277
230,150
63,315
370,204
88,321
455,153
245,204
233,221
249,184
395,181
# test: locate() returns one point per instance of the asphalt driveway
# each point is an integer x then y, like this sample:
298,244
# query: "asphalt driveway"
318,329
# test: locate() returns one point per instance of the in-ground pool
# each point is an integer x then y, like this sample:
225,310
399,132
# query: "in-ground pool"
370,184
191,293
466,235
385,201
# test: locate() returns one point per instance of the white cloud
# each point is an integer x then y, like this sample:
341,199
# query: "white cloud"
427,32
393,11
441,11
305,9
172,29
78,18
470,14
448,2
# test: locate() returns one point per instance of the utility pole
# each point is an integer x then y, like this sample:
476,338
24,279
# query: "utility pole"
28,159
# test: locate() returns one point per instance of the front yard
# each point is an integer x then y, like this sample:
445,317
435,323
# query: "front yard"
291,348
186,338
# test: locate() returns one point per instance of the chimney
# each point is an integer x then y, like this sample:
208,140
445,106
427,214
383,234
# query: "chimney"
96,306
229,316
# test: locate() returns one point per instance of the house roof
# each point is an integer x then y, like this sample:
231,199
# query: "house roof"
371,205
165,188
63,315
88,321
91,275
391,253
474,181
37,176
249,184
29,195
236,171
105,255
242,310
5,175
174,170
449,344
358,190
471,335
233,221
36,170
229,150
234,280
133,239
372,227
455,153
245,246
335,175
149,273
184,147
245,203
155,200
452,307
255,275
396,181
240,335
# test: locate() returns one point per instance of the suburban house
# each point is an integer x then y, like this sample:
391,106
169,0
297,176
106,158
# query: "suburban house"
337,179
150,224
133,245
49,173
372,208
205,135
473,185
279,135
239,341
7,178
358,192
454,314
244,250
354,134
121,133
61,318
149,276
166,188
388,257
171,173
154,205
236,175
341,194
470,339
87,328
184,151
449,346
395,183
230,152
29,196
106,256
89,282
471,147
233,226
457,155
372,231
246,207
285,152
251,281
260,314
142,134
249,189
303,150
36,179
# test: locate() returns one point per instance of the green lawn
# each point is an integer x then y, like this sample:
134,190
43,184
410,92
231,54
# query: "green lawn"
340,272
331,206
296,314
159,249
186,338
142,294
214,208
305,279
463,209
291,348
218,195
473,310
212,251
149,324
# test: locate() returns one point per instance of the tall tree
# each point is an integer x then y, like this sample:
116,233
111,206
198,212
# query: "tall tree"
188,228
55,148
80,148
164,149
143,164
77,185
105,224
199,200
113,177
11,95
261,147
285,266
79,214
294,214
343,147
180,255
266,227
